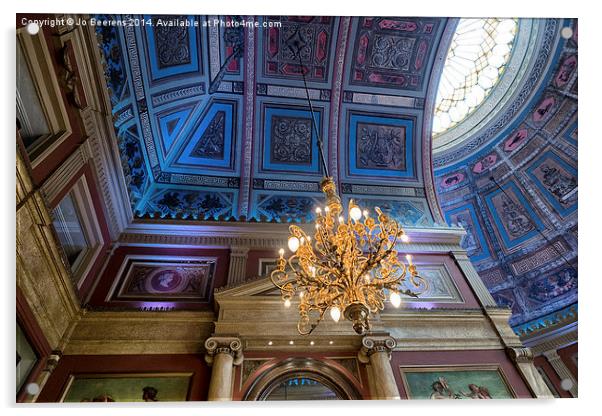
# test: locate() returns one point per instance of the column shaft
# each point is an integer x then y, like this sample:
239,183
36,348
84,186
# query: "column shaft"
220,387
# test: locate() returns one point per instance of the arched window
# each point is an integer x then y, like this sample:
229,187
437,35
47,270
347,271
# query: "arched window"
301,386
302,379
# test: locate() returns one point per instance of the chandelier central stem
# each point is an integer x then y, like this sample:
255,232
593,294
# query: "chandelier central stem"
313,118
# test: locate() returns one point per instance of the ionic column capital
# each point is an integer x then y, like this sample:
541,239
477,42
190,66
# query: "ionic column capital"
223,345
372,344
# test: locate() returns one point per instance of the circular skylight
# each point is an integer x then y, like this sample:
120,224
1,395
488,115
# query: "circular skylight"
479,51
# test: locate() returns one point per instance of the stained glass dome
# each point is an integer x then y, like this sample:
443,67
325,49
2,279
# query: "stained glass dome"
477,57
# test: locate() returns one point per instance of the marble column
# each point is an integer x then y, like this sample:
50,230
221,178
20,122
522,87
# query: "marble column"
523,358
238,265
223,353
562,370
376,352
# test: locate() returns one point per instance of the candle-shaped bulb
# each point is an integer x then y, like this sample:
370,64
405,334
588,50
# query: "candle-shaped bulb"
405,238
287,303
293,243
335,313
326,209
366,213
281,252
395,299
409,259
318,210
341,220
355,213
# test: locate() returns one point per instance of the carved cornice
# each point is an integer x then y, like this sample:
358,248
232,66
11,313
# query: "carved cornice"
372,344
223,345
256,235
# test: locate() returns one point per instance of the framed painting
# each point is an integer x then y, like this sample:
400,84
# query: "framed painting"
145,387
456,382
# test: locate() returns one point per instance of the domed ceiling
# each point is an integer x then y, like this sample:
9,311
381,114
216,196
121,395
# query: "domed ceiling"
510,178
213,124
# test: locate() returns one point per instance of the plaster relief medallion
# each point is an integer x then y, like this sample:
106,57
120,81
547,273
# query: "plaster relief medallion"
515,140
485,163
569,64
164,279
452,180
544,110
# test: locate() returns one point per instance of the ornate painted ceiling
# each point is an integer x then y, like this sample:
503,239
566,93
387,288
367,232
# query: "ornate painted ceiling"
522,224
213,124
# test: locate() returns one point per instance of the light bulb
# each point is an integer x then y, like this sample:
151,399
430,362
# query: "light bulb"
308,239
317,226
341,220
355,213
302,240
293,243
311,343
301,294
367,278
409,259
318,210
281,252
287,303
335,313
326,209
366,213
405,238
395,299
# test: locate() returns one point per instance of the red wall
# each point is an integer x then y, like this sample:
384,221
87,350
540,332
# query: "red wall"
124,364
459,358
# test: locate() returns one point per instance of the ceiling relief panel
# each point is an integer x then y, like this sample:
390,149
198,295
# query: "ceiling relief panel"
393,54
521,226
303,45
172,50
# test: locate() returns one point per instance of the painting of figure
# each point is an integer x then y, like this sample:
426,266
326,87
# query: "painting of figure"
128,388
453,383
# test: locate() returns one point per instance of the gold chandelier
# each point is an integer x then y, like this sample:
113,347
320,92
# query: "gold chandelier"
346,267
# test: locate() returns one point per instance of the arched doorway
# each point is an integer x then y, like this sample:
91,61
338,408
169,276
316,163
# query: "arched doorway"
302,379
